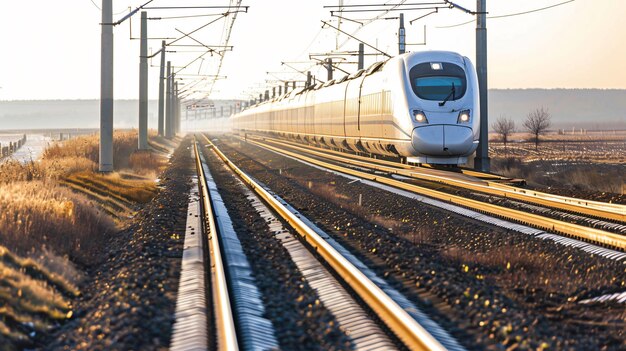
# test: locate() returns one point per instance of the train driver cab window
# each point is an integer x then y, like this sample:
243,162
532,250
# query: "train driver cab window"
438,88
445,82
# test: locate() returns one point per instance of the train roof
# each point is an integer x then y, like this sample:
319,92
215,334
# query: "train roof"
373,68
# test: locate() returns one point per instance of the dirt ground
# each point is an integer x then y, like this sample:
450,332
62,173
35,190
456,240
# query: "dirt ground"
591,165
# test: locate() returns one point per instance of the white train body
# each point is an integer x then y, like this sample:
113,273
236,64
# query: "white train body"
395,108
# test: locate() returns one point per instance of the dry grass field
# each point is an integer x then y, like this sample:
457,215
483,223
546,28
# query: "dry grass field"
592,164
56,214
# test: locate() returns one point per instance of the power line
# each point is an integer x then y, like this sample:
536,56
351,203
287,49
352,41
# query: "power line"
357,39
226,34
372,20
531,11
187,16
115,14
510,14
311,43
385,4
94,4
192,7
387,10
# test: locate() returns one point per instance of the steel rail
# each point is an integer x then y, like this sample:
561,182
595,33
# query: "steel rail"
492,179
596,208
467,171
378,160
225,324
591,208
616,208
479,174
581,232
413,335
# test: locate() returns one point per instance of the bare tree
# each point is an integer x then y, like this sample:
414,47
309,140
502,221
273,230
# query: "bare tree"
505,127
537,123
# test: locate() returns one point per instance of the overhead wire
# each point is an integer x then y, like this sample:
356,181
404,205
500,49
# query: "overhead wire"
311,43
367,22
307,48
509,14
99,8
226,34
203,81
190,16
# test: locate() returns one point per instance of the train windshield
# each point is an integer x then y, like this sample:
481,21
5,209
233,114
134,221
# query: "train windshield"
438,82
439,88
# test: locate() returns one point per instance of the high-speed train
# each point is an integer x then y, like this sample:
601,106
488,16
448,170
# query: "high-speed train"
421,106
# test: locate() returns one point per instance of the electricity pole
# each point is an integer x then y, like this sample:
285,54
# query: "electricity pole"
401,36
177,112
106,88
169,107
162,90
482,161
361,56
173,105
143,84
329,68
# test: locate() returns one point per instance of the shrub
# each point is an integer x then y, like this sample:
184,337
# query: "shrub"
124,144
145,162
40,215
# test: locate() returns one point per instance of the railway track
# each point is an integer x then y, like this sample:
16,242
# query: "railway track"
362,169
571,214
393,312
462,263
191,328
471,180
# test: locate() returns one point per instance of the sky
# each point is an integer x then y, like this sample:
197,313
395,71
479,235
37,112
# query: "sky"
51,49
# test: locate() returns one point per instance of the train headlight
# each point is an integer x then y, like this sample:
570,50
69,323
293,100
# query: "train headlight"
419,116
464,116
436,66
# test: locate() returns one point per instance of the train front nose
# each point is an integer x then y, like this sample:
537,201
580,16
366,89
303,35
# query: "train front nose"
443,140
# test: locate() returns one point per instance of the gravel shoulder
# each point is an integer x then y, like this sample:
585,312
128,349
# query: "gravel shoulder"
129,295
